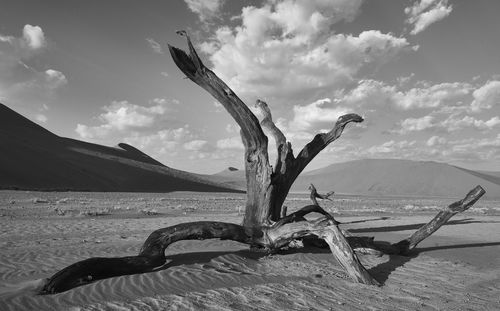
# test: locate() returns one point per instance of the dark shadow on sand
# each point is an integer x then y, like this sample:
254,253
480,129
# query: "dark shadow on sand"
415,226
384,270
470,245
365,220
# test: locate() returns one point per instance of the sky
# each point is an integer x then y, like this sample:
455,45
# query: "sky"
424,74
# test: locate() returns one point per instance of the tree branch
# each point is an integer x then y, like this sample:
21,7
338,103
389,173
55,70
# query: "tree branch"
440,219
314,194
192,66
320,141
268,124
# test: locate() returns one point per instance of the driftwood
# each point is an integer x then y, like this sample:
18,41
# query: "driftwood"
266,224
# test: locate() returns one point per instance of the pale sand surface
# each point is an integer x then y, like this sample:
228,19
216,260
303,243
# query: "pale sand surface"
458,268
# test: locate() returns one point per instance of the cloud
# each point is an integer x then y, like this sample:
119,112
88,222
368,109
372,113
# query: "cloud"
41,118
33,36
205,9
165,142
33,39
453,123
318,114
416,124
288,49
431,96
196,145
230,143
486,96
232,128
436,148
447,96
55,79
423,13
122,116
436,140
22,84
155,46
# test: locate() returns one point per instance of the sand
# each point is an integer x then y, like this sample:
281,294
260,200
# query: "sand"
458,268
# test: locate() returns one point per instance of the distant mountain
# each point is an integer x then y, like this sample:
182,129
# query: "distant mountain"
386,177
231,177
398,177
33,158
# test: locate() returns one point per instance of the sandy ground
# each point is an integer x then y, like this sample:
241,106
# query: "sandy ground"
458,268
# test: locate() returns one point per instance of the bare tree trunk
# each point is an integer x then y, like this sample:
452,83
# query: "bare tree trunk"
267,188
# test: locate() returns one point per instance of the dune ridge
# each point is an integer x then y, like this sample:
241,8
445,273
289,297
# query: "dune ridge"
387,177
33,158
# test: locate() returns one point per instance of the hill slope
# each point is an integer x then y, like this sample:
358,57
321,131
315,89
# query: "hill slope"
33,158
232,177
398,177
385,177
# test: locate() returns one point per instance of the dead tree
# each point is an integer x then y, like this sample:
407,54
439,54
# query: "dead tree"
265,224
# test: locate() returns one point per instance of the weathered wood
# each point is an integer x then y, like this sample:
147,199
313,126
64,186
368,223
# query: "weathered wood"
404,246
342,250
320,141
267,123
284,209
267,188
151,255
257,168
314,195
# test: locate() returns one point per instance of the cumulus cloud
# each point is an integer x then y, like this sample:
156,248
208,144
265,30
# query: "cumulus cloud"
122,116
431,96
286,48
416,124
165,142
423,13
41,118
22,84
230,143
316,115
205,9
33,36
486,96
436,140
454,123
446,97
32,39
436,148
54,79
155,46
196,145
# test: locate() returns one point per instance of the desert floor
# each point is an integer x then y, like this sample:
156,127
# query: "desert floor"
457,268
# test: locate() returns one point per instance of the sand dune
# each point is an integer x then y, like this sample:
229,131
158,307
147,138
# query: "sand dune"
455,269
383,177
33,158
231,176
398,177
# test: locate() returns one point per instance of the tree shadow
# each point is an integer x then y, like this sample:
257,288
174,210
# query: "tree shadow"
364,220
415,226
382,271
469,245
